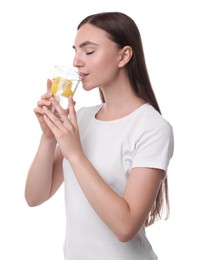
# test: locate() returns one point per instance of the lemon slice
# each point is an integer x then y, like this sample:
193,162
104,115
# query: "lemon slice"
55,85
67,88
67,92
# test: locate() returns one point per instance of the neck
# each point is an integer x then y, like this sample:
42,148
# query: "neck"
120,100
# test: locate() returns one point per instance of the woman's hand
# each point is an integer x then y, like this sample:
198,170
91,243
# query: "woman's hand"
65,128
39,112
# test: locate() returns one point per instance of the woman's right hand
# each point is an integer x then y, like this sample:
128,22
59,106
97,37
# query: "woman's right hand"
39,112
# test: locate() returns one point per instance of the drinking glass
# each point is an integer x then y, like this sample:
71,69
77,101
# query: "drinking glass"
64,83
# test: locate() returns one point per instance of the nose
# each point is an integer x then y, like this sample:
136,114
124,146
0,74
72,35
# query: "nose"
77,61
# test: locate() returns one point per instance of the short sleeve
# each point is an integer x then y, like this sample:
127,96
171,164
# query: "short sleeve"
155,148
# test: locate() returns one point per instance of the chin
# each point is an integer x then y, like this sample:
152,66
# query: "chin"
88,87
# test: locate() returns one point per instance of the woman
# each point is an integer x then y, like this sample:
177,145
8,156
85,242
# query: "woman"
112,157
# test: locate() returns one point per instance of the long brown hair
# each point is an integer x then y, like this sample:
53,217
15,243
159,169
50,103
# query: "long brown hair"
123,30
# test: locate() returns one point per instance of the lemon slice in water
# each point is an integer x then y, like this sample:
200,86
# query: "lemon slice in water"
67,90
55,85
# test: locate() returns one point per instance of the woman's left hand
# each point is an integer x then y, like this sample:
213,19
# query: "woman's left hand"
64,128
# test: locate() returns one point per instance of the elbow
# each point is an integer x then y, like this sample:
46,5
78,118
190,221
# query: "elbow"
125,237
126,234
32,202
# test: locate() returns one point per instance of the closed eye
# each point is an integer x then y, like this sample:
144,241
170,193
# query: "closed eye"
89,53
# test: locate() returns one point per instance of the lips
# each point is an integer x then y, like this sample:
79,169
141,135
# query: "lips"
83,75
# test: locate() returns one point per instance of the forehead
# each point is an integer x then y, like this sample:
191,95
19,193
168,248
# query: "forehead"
91,33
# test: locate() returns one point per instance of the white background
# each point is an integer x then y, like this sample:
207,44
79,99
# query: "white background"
178,43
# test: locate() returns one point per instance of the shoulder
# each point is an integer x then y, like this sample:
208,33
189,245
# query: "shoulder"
151,120
154,130
155,140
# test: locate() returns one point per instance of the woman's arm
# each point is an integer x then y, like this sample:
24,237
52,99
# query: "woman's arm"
45,174
123,214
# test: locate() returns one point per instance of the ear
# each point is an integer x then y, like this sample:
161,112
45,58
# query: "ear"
124,56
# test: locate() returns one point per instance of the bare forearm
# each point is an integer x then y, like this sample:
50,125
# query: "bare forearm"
111,207
124,214
39,180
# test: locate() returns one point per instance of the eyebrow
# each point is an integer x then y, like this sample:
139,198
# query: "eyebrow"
85,44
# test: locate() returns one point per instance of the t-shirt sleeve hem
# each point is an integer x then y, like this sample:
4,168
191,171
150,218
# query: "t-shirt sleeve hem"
155,165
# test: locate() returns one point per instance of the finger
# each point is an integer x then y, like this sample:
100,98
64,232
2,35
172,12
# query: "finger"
42,103
38,110
47,95
62,113
55,121
59,112
72,112
51,125
49,83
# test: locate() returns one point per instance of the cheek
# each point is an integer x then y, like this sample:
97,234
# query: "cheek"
106,58
103,69
106,67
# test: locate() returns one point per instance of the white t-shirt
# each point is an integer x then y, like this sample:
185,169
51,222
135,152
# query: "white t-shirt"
141,139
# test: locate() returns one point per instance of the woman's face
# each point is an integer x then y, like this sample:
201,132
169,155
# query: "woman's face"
96,57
